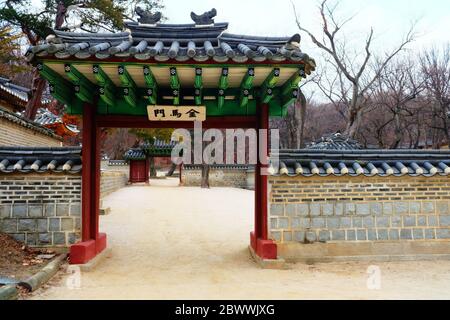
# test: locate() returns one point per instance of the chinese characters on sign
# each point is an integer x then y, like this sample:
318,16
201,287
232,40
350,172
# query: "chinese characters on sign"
176,113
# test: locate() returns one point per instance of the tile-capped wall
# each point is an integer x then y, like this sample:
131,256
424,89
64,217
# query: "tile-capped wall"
318,209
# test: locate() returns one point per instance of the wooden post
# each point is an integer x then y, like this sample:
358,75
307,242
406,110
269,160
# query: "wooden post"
86,192
260,242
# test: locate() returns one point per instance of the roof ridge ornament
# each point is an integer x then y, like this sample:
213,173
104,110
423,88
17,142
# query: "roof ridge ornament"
204,19
147,17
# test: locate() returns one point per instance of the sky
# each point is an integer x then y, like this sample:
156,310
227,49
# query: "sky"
390,19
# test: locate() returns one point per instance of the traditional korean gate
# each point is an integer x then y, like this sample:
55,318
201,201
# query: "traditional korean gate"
110,79
138,171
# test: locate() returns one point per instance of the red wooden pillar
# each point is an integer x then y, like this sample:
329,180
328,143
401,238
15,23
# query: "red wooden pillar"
92,242
260,243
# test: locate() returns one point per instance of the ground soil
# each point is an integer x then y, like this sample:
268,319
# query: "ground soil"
189,243
17,260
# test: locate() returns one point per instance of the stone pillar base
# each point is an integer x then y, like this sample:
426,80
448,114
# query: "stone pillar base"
83,252
265,249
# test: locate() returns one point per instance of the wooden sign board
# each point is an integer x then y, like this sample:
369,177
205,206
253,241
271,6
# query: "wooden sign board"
176,113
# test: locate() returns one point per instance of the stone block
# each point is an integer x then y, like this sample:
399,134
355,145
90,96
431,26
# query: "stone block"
29,225
42,225
73,237
275,235
19,237
409,221
444,220
273,223
442,207
394,234
283,223
414,207
314,209
311,237
50,210
318,223
443,233
35,211
68,225
59,238
327,209
345,222
368,222
376,209
363,209
401,208
62,209
349,209
299,236
78,224
430,234
428,207
396,221
351,235
387,208
338,235
45,238
357,222
276,210
361,234
333,222
422,221
296,223
290,210
303,209
5,211
371,234
287,236
382,234
418,234
8,225
406,234
433,221
54,224
32,239
324,236
383,222
75,210
338,209
19,210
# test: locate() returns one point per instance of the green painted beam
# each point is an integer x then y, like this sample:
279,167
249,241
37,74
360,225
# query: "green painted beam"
82,87
289,98
151,85
223,86
175,85
246,86
106,88
128,86
292,83
269,84
198,85
60,88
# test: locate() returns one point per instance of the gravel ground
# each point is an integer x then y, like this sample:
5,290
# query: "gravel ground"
187,243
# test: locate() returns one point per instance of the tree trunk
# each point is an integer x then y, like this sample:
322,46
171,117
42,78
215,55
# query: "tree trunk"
152,167
37,89
299,113
173,166
205,176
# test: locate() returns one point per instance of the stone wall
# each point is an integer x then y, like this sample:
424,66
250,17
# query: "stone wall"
13,134
41,210
323,209
112,181
45,209
218,178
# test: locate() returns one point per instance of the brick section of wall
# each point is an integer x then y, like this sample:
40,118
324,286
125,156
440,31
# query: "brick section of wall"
112,181
311,209
217,178
12,134
41,210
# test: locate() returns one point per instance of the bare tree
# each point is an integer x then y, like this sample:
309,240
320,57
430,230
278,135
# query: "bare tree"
435,66
354,79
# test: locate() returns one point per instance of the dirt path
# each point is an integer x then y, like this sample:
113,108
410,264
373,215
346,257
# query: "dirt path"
188,243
